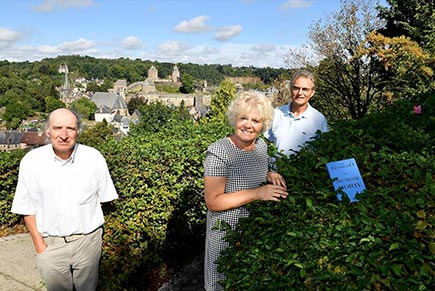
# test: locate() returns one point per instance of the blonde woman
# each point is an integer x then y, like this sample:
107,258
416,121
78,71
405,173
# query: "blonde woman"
235,171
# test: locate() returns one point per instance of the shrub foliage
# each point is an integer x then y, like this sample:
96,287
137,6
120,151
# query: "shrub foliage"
9,162
311,241
160,215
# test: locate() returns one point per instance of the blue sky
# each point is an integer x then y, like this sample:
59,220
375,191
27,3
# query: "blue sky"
239,32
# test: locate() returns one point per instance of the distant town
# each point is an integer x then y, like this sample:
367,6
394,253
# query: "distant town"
111,106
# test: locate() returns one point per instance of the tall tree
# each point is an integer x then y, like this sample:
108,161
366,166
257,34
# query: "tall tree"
220,101
52,103
134,103
406,69
187,84
156,117
412,18
97,135
347,85
85,107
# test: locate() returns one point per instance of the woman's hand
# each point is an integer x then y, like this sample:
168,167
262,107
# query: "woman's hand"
272,192
276,179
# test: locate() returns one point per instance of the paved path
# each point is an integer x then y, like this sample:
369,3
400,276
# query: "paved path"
18,270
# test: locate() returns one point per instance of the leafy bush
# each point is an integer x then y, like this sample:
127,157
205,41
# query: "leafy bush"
311,241
308,242
9,162
156,117
160,215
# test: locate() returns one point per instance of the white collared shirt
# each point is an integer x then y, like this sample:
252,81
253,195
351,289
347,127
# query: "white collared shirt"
290,133
64,195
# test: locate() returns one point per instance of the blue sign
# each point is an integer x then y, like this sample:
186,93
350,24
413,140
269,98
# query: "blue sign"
346,178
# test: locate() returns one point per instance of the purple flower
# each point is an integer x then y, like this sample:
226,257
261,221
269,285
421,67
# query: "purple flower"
417,109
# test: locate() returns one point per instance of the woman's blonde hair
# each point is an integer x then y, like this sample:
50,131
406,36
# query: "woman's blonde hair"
248,100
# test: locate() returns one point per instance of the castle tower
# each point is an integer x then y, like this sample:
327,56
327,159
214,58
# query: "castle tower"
153,73
175,74
120,87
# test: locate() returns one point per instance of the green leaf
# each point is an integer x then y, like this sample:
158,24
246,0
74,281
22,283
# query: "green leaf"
394,246
421,214
396,269
421,224
432,247
309,202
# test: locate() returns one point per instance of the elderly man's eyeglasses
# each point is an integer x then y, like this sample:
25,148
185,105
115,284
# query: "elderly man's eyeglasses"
305,91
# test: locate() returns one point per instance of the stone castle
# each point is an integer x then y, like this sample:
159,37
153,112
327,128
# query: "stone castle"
112,105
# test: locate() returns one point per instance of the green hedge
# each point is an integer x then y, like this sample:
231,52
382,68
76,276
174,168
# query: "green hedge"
9,164
311,241
308,242
160,215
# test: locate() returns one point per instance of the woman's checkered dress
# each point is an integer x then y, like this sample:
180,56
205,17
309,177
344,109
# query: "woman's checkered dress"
243,170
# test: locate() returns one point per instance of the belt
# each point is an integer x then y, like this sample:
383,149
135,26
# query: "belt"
74,237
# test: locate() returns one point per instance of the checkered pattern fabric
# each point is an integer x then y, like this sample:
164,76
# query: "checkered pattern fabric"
243,170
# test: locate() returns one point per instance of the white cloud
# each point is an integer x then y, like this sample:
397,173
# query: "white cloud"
172,48
47,49
78,45
295,4
258,55
193,25
226,53
52,5
7,35
228,32
210,50
132,43
263,48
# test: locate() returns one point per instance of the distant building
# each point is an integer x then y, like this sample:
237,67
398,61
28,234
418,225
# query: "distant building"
103,113
35,139
120,87
148,87
10,140
112,102
175,74
153,74
13,139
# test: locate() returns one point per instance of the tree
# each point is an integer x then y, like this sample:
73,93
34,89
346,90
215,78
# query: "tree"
412,18
84,107
16,108
97,135
404,66
93,87
225,93
135,103
118,72
157,117
282,85
52,103
187,84
343,80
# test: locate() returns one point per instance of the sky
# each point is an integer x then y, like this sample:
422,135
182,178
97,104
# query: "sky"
255,33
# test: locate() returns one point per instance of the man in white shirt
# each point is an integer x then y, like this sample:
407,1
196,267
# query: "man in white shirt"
59,192
297,122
